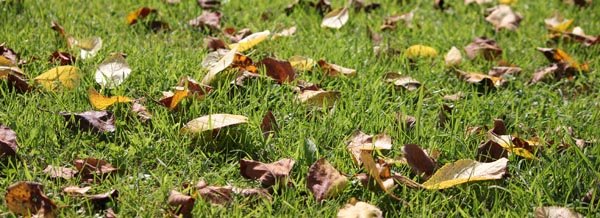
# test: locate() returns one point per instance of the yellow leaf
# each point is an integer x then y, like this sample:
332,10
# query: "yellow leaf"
171,100
101,102
506,141
319,98
463,171
507,2
420,51
250,41
65,76
213,121
216,62
89,46
301,63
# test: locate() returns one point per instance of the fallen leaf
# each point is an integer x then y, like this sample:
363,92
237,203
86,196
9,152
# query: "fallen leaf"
140,110
96,121
90,168
158,26
212,122
463,171
76,190
380,174
250,41
61,31
502,16
453,58
556,55
401,81
267,174
60,172
269,126
420,51
319,98
580,3
100,102
557,24
64,76
454,97
501,71
407,121
100,201
366,7
390,22
479,2
359,141
514,145
208,19
216,62
443,115
183,204
556,212
28,198
336,18
324,181
542,73
8,141
209,4
214,194
14,76
418,160
579,35
63,58
281,71
359,210
89,47
300,63
139,14
213,44
9,54
285,33
481,79
592,197
172,99
253,193
335,70
482,46
112,71
234,36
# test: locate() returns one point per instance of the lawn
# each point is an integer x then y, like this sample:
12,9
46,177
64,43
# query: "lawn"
155,157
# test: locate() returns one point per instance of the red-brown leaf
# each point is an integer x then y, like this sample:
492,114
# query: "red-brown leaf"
418,160
8,141
268,174
281,71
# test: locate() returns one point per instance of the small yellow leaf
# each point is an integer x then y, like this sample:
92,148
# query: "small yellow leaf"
101,102
66,76
507,2
463,171
171,100
420,51
506,141
302,63
213,121
250,41
319,98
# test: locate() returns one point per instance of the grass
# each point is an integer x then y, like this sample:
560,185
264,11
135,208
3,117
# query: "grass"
155,158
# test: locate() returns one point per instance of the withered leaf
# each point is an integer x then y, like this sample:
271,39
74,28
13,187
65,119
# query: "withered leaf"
209,4
267,174
501,71
556,55
269,126
139,14
463,171
319,98
322,6
359,141
281,71
208,19
580,3
418,160
63,58
92,167
95,121
100,102
558,24
579,35
61,76
556,212
213,43
9,54
140,110
453,57
515,145
285,33
215,62
234,36
490,151
100,201
405,120
212,122
324,181
366,7
381,174
301,63
253,193
542,73
8,141
401,81
61,31
183,204
482,46
214,194
502,16
390,22
336,18
481,79
359,210
335,70
479,2
443,115
27,198
454,97
60,172
250,41
76,190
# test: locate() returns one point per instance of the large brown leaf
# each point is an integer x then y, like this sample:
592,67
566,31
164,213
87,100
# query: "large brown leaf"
324,181
90,168
268,174
482,46
418,160
214,194
359,141
269,125
183,204
27,198
95,121
8,141
208,19
281,71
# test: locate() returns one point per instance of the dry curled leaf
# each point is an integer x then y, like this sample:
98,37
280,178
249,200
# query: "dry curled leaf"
285,33
60,172
89,47
187,87
250,41
390,22
336,18
213,43
253,193
9,54
319,98
61,76
208,19
14,76
8,141
215,62
212,122
268,174
359,210
100,102
76,190
556,212
335,70
559,56
182,204
269,126
463,171
139,14
209,4
63,58
502,16
402,82
234,36
515,145
453,58
418,160
112,71
366,7
381,174
96,121
359,141
406,121
89,168
281,71
482,46
27,198
101,200
140,110
300,63
501,71
324,181
558,24
481,79
214,194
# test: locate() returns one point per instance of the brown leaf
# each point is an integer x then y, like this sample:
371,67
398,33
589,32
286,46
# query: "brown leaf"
439,4
100,201
543,73
209,20
366,7
403,180
454,97
90,168
63,58
359,141
182,205
556,212
482,46
234,36
445,111
95,121
401,81
579,35
253,193
139,14
407,121
390,22
267,174
490,151
76,190
499,127
580,3
8,141
9,54
214,194
559,56
213,43
60,172
15,77
481,79
269,125
194,87
501,71
209,4
322,6
324,181
158,26
418,160
140,110
27,198
110,213
335,70
502,16
359,210
453,58
281,71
